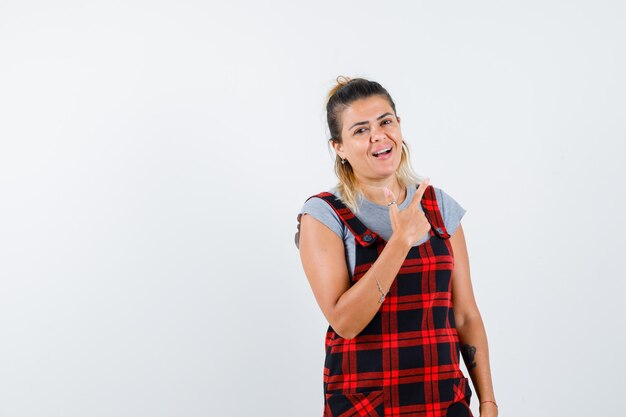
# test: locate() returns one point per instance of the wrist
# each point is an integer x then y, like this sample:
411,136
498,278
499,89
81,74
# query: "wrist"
488,409
488,403
401,242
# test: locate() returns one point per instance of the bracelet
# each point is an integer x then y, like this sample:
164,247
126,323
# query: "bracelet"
382,294
489,401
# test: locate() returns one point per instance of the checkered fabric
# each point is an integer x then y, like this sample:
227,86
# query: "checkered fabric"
406,360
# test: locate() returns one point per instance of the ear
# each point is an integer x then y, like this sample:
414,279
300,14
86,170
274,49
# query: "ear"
338,147
398,117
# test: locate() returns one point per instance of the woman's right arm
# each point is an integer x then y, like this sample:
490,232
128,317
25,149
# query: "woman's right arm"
347,308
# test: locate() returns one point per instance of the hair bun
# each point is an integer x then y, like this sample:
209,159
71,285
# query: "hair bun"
342,80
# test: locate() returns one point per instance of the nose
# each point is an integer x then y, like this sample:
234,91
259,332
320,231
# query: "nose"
377,133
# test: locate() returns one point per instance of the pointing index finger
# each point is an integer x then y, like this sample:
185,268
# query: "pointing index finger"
420,191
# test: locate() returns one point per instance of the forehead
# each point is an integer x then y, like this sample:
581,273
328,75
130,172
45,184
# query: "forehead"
366,109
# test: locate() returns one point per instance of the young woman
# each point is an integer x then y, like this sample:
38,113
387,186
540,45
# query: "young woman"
385,255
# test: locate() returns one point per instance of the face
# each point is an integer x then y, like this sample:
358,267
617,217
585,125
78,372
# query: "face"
371,138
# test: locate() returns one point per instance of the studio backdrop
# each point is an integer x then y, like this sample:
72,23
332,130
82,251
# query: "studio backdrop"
154,157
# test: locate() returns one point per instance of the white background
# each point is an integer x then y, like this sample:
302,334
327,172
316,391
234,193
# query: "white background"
154,156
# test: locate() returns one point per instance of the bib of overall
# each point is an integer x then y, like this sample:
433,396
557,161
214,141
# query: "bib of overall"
405,362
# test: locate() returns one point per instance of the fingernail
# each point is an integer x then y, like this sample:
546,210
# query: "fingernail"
427,179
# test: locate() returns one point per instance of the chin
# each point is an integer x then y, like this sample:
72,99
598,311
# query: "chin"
387,173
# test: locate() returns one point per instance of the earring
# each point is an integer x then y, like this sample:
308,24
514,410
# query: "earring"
343,161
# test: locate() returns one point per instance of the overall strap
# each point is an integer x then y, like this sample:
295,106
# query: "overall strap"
363,235
431,210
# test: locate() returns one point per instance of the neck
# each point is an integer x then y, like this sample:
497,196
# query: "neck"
373,190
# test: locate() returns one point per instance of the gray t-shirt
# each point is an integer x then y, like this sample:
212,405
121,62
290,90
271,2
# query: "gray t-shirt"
376,218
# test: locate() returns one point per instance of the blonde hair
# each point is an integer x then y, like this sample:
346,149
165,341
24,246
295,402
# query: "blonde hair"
340,97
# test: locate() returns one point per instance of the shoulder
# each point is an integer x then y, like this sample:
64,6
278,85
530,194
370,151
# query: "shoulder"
451,210
316,205
322,211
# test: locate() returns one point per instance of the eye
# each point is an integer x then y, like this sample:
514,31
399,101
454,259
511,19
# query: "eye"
359,131
387,121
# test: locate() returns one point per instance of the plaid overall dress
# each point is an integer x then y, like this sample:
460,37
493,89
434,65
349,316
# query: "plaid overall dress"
405,362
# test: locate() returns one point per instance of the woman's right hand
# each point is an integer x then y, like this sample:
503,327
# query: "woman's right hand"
409,225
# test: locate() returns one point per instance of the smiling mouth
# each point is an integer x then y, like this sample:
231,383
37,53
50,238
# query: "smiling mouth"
382,152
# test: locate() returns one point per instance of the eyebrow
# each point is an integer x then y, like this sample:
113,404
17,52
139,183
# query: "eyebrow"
378,118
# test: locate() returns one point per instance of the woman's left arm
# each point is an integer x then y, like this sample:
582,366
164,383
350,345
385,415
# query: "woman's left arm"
470,328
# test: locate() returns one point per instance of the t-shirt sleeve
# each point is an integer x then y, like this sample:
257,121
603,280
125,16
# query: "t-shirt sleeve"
451,210
324,213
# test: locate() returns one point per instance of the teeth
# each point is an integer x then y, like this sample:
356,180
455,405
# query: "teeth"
382,151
